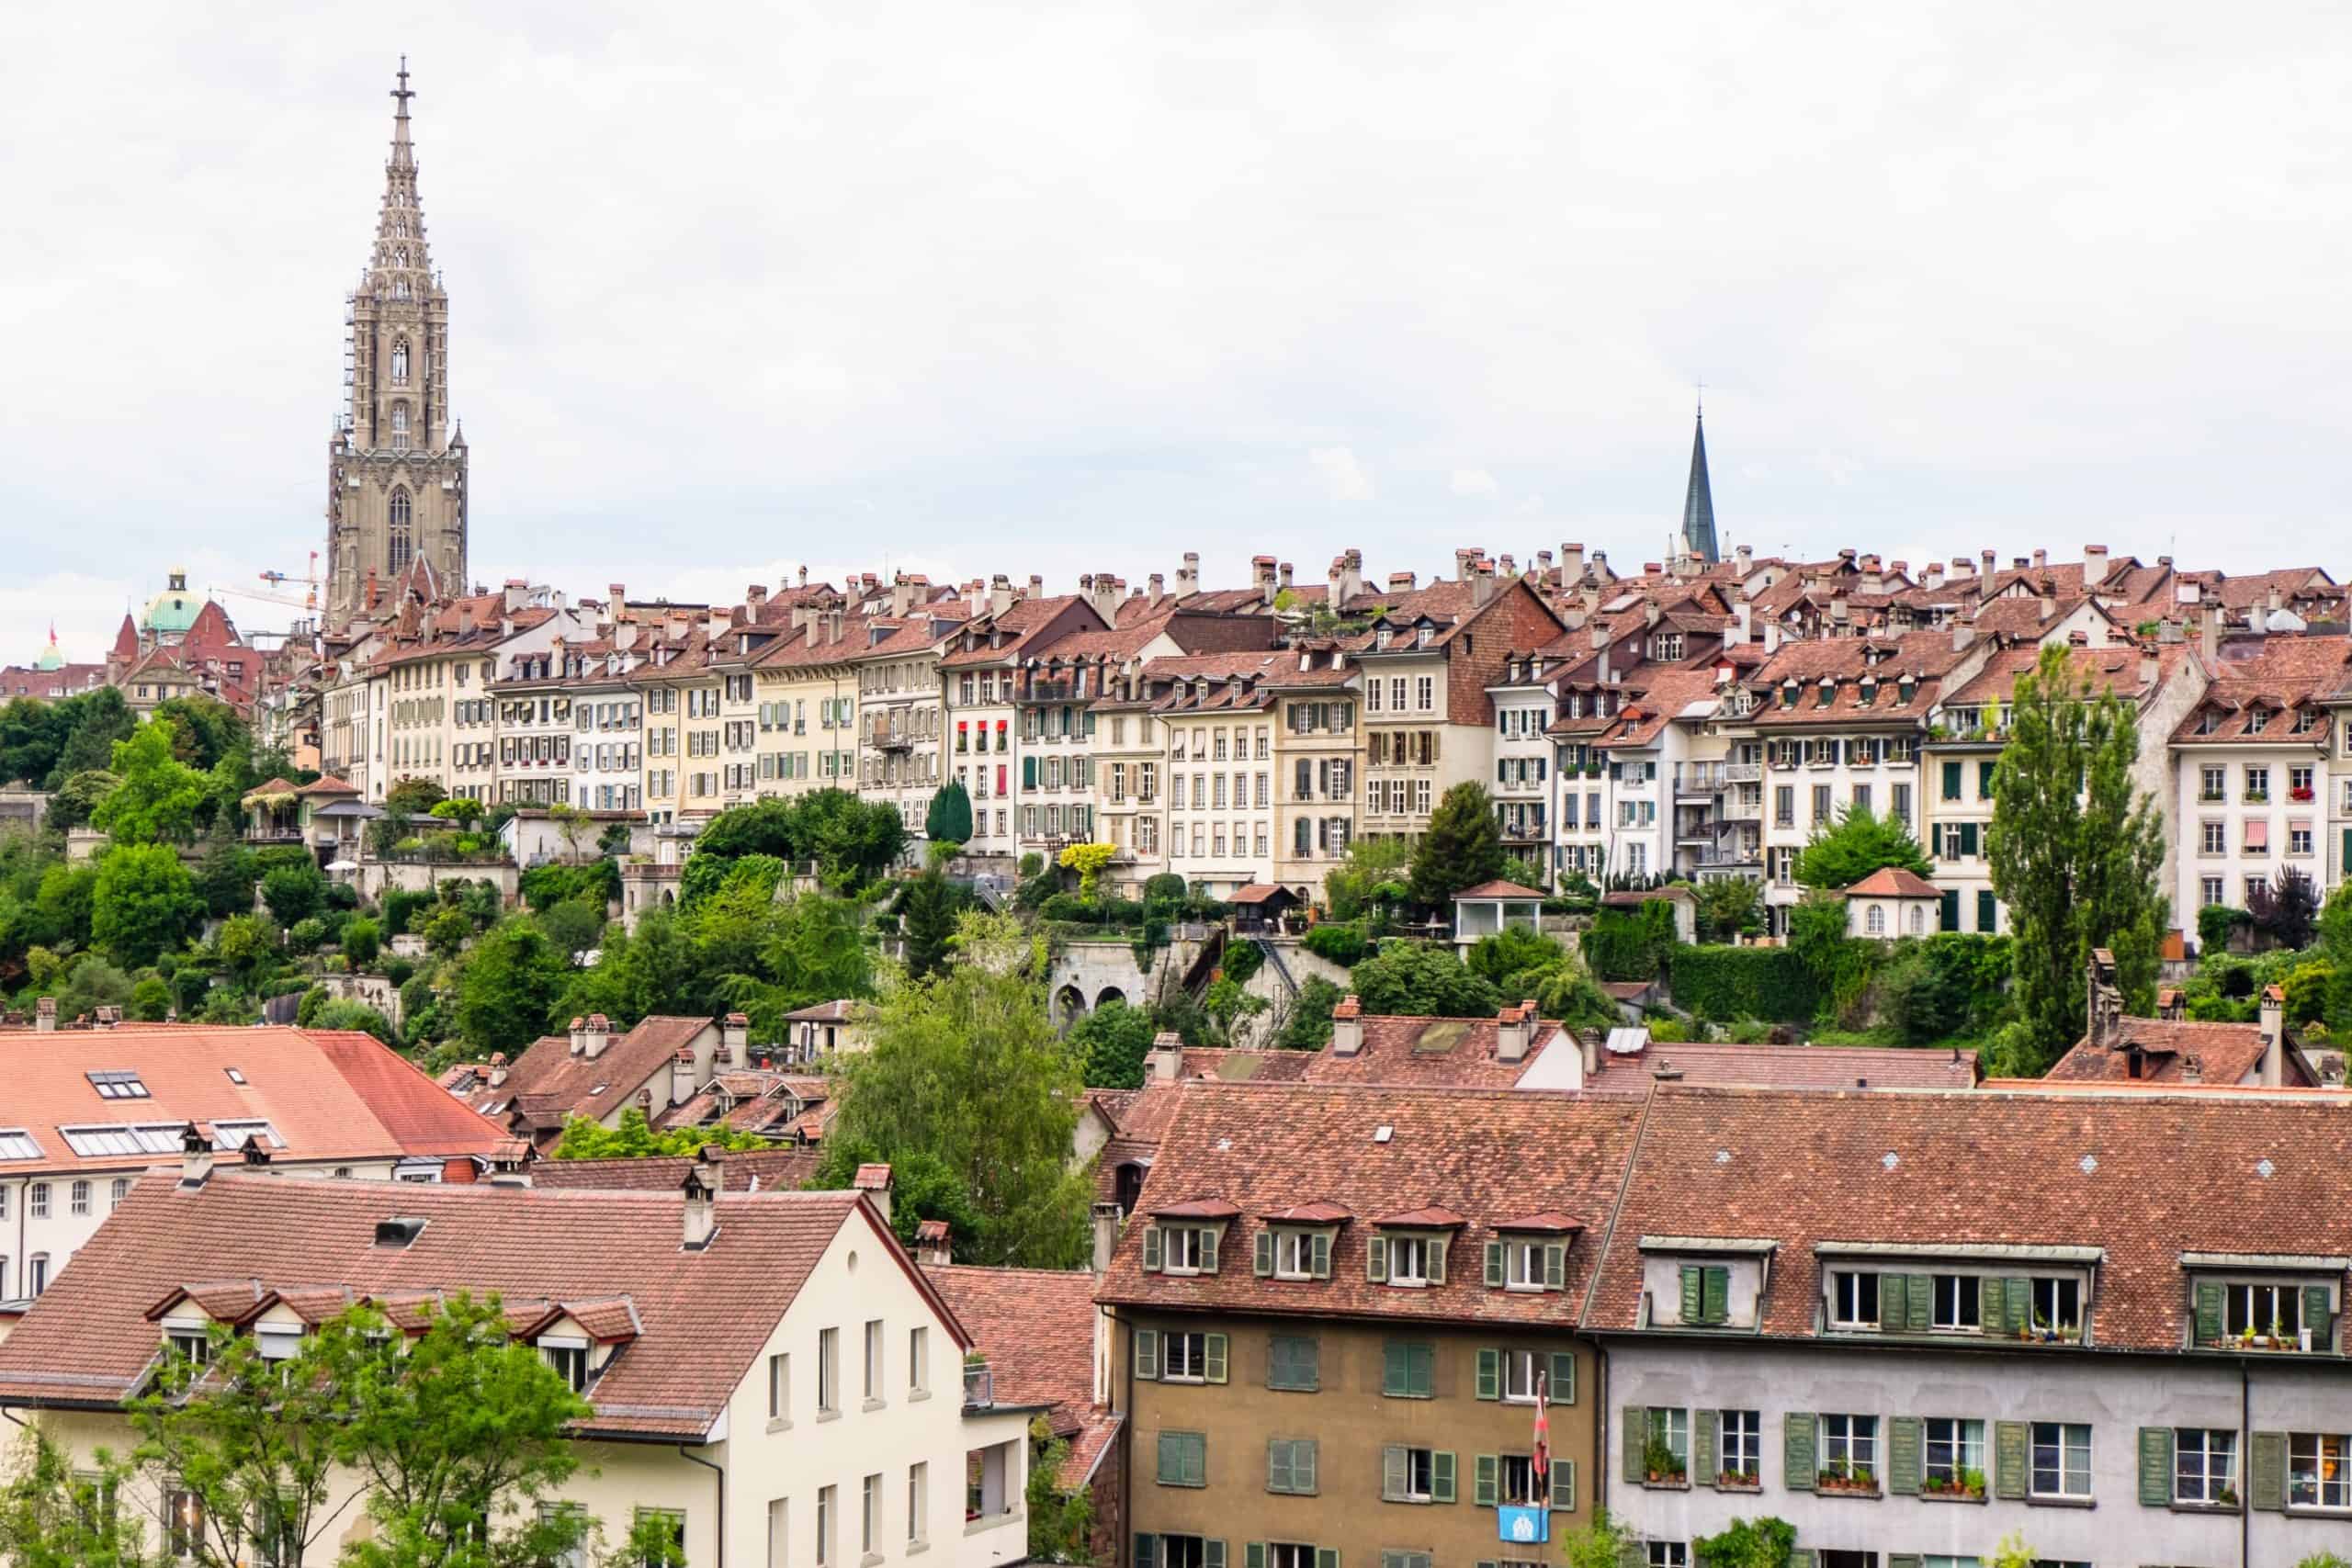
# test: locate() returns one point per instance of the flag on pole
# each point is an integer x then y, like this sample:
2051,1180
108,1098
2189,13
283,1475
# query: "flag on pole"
1542,1462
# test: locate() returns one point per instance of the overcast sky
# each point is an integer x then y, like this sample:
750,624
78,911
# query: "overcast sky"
1057,288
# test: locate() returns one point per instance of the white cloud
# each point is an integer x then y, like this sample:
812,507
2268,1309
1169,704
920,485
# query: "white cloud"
1474,481
1343,476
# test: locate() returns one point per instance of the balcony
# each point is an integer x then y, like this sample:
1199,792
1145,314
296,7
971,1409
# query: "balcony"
1737,809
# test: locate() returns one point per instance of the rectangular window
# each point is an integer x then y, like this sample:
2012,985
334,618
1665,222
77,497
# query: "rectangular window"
1410,1475
1408,1370
1955,1456
1850,1448
869,1517
2061,1459
1184,1458
1853,1299
1293,1363
1409,1259
1184,1358
2205,1467
829,1372
826,1510
874,1362
918,1499
1295,1250
1290,1466
780,1387
918,1360
667,1529
2275,1310
1670,1431
2319,1470
1957,1298
2058,1303
1742,1444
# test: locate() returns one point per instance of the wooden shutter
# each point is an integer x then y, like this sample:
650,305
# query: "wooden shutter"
1214,1346
1213,1553
1634,1433
1563,1386
2018,1308
1715,1293
1261,1262
1903,1455
1208,1249
1147,1552
1693,1293
2155,1467
2009,1448
1196,1459
1151,1249
1706,1437
1564,1484
1968,841
1253,1555
1171,1459
1376,1258
1494,1263
1327,1557
1420,1369
1988,1306
1437,1260
2266,1471
1797,1467
1441,1480
1148,1354
1322,1269
1556,1266
2208,1311
1485,1483
1393,1471
1394,1376
1305,1455
1919,1292
1894,1298
2316,1316
1904,1560
1490,1374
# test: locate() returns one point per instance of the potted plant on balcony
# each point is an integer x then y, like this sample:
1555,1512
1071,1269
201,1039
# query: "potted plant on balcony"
1738,1480
1665,1467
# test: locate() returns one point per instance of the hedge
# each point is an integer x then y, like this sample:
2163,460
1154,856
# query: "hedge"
1725,983
1340,943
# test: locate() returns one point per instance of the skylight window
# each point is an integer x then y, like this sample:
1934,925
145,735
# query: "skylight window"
118,1086
236,1134
123,1138
18,1144
235,1076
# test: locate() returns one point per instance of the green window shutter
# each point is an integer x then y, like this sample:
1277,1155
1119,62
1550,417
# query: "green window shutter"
1633,1428
1441,1485
1564,1484
1393,1374
1392,1471
1715,1293
1918,1296
1375,1259
2155,1467
1172,1459
1985,772
1208,1249
2018,1310
1148,1354
1327,1557
1213,1553
1893,1293
2008,1459
1968,841
2208,1311
1420,1369
2315,1315
1278,1473
1147,1552
1801,1557
1306,1457
1988,1306
1556,1266
1562,1388
1490,1374
1028,773
1484,1483
1196,1459
1902,1456
1322,1269
1988,911
1151,1249
2266,1471
1254,1554
1904,1560
1214,1345
1797,1469
1693,1292
1951,781
1632,1555
1947,911
1261,1262
1437,1260
1494,1264
1706,1436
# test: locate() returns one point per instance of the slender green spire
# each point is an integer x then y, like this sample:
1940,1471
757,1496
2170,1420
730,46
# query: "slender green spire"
1699,501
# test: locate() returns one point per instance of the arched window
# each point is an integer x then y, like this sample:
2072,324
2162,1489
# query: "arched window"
400,427
1918,919
403,546
1877,922
400,288
399,363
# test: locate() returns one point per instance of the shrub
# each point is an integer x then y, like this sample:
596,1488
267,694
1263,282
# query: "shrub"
294,893
1308,1025
2216,923
1242,959
1165,891
1031,863
1628,944
305,935
362,940
400,905
1338,941
1768,983
398,972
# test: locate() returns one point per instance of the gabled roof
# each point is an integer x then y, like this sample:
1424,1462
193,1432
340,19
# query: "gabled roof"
1893,882
547,1083
1036,1328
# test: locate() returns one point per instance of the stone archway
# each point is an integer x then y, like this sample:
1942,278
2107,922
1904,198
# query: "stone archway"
1070,1005
1108,995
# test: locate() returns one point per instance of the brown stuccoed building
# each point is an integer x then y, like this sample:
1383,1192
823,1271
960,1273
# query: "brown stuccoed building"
1333,1308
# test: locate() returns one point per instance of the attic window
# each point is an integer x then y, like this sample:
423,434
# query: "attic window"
1826,694
1789,694
2208,722
1421,636
118,1086
18,1144
237,1134
400,1230
235,1076
1382,1132
1903,691
2258,720
568,1357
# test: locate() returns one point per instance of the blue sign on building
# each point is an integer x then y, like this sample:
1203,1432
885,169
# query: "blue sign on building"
1522,1526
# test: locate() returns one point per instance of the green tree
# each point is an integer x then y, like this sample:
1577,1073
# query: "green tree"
1421,979
1747,1543
1112,1043
88,727
967,1065
1462,847
150,999
2335,942
225,878
446,931
77,797
2075,856
948,819
2285,908
1603,1543
93,983
508,986
927,914
64,904
144,903
1513,954
1060,1520
1307,1025
246,944
573,924
54,1515
294,892
356,1017
1729,907
635,1139
1372,876
1860,843
362,938
160,798
413,796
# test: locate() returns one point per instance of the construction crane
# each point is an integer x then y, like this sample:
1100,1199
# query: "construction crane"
310,582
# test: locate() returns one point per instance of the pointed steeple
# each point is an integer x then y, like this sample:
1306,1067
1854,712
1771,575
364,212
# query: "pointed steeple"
400,266
1699,499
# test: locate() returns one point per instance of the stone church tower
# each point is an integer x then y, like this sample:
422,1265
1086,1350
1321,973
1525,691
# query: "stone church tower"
396,463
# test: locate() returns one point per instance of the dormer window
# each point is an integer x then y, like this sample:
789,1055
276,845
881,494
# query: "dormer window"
1827,694
1853,1299
1416,1260
2265,1303
1183,1247
2258,720
1789,694
568,1357
1422,635
1294,1253
189,1341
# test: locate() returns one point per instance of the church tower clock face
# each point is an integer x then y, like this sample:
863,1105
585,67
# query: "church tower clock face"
397,460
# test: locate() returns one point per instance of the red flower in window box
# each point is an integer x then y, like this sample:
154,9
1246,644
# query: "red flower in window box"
2303,794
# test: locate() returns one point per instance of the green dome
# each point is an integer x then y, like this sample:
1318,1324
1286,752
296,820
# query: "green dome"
50,658
174,610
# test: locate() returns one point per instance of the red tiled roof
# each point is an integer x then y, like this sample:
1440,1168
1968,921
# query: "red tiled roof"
1430,1053
1893,882
547,1083
1786,1066
1486,1155
1498,889
705,1314
739,1169
1036,1328
2226,1053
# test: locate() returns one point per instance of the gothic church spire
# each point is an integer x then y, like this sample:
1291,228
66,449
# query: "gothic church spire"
1699,499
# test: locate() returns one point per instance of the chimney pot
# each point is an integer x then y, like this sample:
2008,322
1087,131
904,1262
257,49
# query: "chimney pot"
1167,1055
1347,1027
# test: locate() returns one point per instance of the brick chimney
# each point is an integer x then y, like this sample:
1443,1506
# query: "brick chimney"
933,1248
700,1224
1400,582
2274,1037
1167,1055
196,1157
1263,577
1347,1027
45,1016
1514,1032
874,1180
594,1036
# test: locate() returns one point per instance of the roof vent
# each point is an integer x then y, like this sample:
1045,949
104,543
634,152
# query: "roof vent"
399,1231
1382,1132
